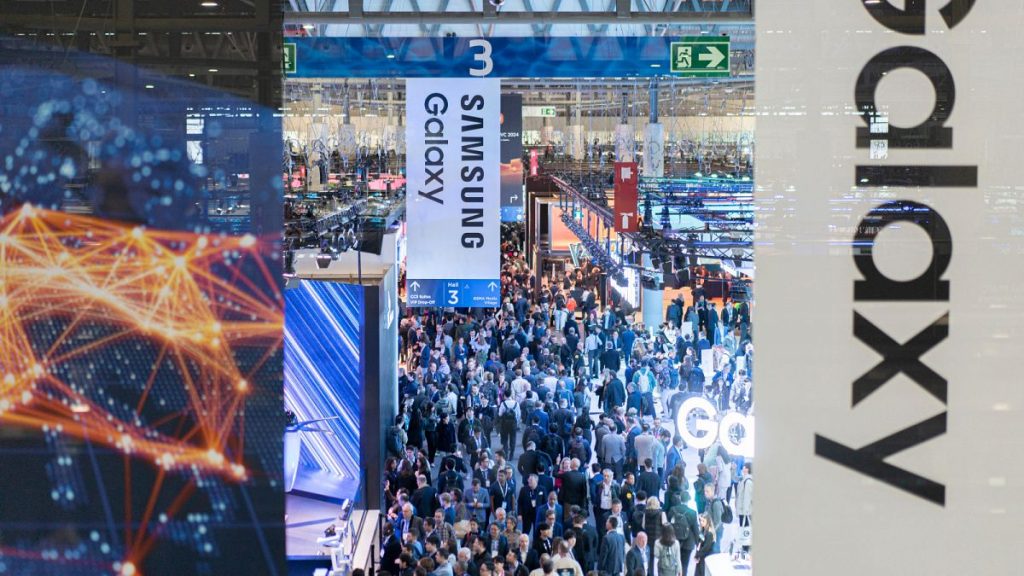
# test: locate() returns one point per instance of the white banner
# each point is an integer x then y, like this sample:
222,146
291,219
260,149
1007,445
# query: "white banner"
453,202
888,324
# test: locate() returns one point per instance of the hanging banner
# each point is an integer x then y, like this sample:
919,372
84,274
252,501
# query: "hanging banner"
873,246
512,158
626,179
453,188
495,57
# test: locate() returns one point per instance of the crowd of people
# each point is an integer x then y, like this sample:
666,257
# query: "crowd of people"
538,438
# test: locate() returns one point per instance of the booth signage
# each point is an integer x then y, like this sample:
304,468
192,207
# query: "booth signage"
734,430
627,177
454,192
701,56
893,213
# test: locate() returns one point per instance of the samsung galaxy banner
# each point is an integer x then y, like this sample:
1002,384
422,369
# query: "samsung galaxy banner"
454,192
888,315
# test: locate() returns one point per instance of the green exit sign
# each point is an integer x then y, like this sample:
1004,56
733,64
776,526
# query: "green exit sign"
701,57
288,54
548,112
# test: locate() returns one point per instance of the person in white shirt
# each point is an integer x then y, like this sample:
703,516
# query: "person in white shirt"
592,345
564,564
520,386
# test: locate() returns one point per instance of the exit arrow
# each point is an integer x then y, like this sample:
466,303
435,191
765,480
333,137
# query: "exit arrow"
415,286
492,286
714,57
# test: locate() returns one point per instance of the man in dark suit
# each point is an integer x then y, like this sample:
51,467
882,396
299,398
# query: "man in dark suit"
496,543
529,460
649,480
503,494
390,550
603,495
406,521
552,504
610,358
638,557
613,549
614,393
574,490
424,498
544,479
541,546
585,550
531,497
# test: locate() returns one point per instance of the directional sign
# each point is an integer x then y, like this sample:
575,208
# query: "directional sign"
454,293
288,54
493,57
701,56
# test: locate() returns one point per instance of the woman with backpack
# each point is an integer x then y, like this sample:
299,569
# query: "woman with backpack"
667,557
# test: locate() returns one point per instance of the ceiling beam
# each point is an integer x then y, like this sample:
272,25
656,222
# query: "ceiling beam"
204,24
518,18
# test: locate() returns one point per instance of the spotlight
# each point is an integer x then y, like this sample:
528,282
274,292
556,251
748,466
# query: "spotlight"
496,3
323,261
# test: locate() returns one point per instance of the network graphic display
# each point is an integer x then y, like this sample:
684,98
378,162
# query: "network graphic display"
130,360
323,380
140,333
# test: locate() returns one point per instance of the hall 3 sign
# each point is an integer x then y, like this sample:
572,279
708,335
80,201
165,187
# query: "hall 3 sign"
734,430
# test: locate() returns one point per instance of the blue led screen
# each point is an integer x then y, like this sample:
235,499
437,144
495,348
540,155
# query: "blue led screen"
323,380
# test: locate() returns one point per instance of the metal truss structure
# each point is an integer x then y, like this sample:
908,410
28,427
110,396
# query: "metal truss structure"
231,45
694,218
523,18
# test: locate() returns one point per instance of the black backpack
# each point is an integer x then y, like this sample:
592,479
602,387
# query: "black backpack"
680,524
726,513
507,420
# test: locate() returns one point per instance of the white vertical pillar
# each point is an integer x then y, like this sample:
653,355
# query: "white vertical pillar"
653,167
625,140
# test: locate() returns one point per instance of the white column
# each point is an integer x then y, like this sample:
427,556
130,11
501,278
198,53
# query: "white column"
625,141
578,143
653,167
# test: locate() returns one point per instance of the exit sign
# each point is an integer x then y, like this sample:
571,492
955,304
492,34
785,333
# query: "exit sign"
288,55
540,112
701,57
